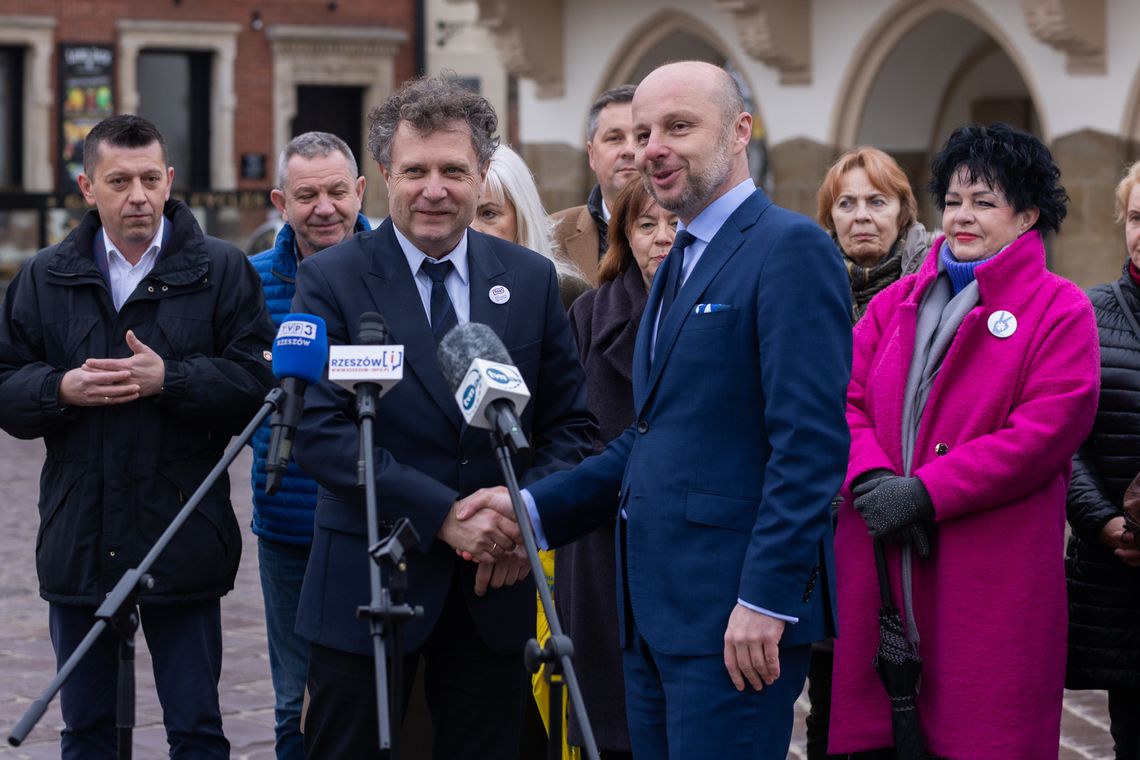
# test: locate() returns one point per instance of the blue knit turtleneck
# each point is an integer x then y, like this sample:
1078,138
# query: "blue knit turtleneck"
961,272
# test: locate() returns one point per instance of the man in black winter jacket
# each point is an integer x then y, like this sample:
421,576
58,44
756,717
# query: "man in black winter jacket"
135,348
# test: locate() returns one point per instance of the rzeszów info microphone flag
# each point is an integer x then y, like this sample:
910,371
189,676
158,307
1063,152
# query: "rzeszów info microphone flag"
380,365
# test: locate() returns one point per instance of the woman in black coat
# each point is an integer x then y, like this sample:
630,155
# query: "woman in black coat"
604,322
1103,563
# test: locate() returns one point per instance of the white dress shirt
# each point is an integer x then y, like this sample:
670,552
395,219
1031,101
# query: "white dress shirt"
124,275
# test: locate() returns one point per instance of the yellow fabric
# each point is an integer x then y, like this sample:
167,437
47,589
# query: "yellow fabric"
538,681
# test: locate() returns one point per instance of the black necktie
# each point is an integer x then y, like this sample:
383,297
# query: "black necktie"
676,263
442,311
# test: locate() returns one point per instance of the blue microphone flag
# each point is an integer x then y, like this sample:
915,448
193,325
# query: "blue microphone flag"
301,348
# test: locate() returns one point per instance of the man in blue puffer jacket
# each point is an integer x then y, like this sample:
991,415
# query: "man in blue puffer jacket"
319,192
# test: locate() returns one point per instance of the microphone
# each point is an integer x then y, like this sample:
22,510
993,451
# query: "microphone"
299,353
373,365
488,388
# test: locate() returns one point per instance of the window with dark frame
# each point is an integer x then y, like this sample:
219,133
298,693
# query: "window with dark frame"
11,117
174,93
332,108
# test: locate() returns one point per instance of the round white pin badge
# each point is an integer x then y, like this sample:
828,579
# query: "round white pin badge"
499,294
1002,324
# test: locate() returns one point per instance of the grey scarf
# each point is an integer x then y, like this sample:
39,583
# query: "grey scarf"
940,314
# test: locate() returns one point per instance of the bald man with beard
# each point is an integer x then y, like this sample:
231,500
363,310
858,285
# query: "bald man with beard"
722,484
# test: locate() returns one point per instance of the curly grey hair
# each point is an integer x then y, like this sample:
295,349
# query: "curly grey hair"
428,104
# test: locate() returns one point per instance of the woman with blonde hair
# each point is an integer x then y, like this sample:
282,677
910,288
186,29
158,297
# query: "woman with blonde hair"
1102,564
511,209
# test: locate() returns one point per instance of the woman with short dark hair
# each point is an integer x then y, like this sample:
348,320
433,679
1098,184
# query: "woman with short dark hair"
973,383
511,209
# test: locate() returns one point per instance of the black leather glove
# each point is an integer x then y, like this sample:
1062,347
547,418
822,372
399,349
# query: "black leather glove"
889,503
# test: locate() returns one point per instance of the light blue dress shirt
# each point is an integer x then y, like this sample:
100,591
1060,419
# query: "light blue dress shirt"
704,227
458,281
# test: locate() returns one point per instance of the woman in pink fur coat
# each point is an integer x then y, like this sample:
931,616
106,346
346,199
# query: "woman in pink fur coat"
973,383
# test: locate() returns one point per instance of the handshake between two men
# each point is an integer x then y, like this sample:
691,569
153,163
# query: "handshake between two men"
482,528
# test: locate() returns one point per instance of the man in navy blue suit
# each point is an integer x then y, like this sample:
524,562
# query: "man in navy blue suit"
425,271
723,482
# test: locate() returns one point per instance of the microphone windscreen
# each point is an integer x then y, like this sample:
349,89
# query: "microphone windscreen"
372,330
301,348
465,343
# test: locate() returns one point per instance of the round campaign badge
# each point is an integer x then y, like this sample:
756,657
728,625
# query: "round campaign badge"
499,294
1002,324
267,355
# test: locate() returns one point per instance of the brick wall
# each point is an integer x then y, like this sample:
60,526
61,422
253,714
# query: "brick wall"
94,21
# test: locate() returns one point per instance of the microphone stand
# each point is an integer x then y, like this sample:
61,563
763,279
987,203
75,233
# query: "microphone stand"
119,609
558,649
386,610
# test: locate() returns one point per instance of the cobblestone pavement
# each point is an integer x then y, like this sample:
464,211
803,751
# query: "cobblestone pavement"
27,664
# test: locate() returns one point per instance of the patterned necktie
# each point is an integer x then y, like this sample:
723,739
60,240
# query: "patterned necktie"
676,263
442,311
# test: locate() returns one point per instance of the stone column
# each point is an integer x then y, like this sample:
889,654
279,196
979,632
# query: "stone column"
798,167
562,173
1090,248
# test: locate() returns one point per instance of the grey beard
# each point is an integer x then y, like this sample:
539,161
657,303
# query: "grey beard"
700,186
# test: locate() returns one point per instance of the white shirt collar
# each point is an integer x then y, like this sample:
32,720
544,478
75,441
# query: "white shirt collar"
123,276
151,250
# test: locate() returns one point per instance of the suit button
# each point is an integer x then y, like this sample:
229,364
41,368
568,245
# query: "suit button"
464,460
642,427
941,448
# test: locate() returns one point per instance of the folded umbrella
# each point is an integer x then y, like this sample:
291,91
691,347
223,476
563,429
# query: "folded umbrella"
899,668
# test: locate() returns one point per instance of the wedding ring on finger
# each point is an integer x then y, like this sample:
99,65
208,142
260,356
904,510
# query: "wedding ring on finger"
494,546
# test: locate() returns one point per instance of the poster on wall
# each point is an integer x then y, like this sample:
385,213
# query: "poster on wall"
86,98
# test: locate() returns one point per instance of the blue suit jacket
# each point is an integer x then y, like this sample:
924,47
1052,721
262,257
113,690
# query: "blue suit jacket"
740,440
425,457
